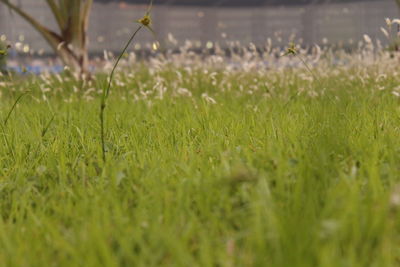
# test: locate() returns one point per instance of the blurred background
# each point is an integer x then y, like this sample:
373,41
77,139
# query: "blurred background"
205,22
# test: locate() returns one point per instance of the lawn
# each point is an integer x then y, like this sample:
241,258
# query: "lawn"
207,165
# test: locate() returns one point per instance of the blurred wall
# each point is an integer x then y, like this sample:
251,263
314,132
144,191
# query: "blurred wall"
111,24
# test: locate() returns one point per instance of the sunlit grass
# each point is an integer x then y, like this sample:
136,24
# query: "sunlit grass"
205,167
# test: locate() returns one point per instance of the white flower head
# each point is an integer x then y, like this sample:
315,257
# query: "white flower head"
208,98
396,21
385,32
388,22
367,39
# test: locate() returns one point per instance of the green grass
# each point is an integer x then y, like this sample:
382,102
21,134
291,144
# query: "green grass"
266,176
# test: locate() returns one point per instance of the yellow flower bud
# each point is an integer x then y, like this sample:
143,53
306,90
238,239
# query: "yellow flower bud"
145,21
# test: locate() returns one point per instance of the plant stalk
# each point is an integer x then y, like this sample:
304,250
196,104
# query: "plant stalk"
106,93
13,107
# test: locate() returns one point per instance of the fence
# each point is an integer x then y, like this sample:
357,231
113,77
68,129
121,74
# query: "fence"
111,24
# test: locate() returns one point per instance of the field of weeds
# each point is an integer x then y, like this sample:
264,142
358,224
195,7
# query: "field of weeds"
250,159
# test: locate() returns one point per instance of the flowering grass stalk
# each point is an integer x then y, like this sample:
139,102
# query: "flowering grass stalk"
106,92
291,50
143,22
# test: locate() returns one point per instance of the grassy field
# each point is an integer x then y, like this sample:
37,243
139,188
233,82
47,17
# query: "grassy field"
205,167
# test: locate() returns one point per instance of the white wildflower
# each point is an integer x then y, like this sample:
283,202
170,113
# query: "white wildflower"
208,98
172,39
184,92
385,32
388,22
396,21
105,55
367,39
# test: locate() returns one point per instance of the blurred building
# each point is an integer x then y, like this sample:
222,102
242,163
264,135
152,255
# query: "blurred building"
222,21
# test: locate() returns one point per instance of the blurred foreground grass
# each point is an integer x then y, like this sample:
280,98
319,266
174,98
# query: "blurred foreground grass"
205,168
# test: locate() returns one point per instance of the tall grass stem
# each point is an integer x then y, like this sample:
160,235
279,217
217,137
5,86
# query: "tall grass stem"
106,93
13,107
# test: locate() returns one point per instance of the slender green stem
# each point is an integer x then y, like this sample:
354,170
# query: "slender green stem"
46,128
308,68
13,107
103,145
316,77
106,93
